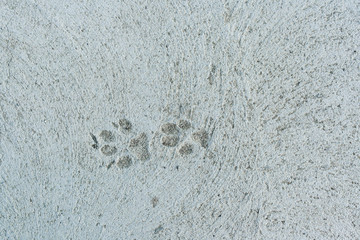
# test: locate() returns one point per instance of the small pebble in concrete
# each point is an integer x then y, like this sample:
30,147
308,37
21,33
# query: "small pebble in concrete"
158,229
154,201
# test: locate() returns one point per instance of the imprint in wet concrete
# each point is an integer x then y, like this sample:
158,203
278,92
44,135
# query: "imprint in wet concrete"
171,136
170,141
107,136
183,124
108,150
169,128
186,149
138,146
125,124
201,137
124,162
96,143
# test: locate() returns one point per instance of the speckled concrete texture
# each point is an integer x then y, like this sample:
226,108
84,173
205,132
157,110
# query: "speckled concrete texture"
186,119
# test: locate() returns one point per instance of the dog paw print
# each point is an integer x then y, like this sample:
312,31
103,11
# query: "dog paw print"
124,142
106,138
177,134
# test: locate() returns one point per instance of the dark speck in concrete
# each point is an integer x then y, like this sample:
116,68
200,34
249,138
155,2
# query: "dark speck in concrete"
158,229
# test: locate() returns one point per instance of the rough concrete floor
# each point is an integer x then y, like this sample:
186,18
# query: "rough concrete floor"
179,119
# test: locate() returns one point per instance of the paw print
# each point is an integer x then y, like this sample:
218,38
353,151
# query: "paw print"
132,147
106,137
124,147
177,134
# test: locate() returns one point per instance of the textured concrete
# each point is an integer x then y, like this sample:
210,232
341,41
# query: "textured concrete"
179,119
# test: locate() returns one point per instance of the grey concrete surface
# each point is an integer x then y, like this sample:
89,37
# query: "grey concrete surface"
186,119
